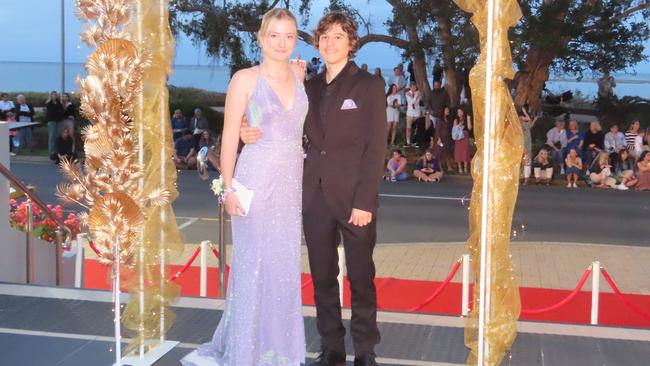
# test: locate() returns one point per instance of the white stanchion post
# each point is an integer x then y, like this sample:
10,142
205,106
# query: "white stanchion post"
465,299
205,244
595,291
79,260
341,252
116,304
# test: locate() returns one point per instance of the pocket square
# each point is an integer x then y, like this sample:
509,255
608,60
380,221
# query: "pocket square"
348,104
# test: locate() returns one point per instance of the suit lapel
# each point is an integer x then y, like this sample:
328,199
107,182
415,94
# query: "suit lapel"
335,101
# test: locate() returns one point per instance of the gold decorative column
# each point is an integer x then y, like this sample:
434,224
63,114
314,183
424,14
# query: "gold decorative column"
505,146
148,313
128,179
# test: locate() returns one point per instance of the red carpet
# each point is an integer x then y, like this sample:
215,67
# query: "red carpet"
400,295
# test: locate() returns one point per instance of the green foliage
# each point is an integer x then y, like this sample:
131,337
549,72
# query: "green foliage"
582,36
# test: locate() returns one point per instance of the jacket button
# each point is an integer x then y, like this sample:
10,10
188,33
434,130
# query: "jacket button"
323,152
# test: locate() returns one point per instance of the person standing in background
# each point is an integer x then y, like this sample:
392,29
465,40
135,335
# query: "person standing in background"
53,116
437,71
68,113
392,111
6,106
25,113
413,110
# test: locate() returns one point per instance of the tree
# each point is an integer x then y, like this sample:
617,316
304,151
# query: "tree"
575,36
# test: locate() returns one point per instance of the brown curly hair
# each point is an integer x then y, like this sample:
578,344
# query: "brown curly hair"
347,23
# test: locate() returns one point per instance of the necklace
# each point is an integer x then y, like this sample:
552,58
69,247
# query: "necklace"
277,80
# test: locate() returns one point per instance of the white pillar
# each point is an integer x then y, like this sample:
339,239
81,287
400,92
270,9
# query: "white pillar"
595,291
204,268
79,260
341,252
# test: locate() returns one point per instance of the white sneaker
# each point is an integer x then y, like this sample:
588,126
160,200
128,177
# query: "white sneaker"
575,185
569,185
622,187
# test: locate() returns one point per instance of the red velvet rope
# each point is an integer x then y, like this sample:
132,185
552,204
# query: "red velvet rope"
187,265
573,293
439,289
216,254
94,248
622,297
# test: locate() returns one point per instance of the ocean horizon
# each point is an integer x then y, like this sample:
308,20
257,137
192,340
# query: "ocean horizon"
46,76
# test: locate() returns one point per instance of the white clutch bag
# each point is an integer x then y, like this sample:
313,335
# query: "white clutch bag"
244,194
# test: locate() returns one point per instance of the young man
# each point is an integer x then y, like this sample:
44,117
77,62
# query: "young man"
184,151
345,132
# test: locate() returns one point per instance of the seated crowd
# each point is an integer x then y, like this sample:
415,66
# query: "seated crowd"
612,160
190,139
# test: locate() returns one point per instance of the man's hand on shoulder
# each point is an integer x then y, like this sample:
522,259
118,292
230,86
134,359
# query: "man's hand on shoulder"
249,135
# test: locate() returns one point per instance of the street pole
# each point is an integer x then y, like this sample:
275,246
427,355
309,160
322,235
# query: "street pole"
62,46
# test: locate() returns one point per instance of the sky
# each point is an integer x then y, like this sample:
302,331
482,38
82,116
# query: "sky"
34,35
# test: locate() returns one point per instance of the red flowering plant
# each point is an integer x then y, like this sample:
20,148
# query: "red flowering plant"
43,226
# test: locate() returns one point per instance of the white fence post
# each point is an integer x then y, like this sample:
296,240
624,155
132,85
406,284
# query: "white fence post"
465,301
205,244
79,260
595,291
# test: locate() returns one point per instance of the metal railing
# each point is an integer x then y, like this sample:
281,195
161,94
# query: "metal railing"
202,169
62,231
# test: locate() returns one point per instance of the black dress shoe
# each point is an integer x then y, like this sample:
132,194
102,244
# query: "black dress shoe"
366,360
329,358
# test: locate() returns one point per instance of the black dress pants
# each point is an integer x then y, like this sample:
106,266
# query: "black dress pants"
323,235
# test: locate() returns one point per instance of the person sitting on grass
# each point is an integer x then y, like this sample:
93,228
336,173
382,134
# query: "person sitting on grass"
643,172
427,168
64,147
601,172
573,164
543,168
625,169
397,167
184,151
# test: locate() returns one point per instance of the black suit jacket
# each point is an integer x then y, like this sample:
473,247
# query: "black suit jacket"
346,148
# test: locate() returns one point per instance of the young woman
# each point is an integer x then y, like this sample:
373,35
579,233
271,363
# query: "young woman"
68,113
625,169
427,168
643,172
53,116
460,134
543,167
631,138
64,147
601,172
444,144
392,111
573,165
413,110
397,167
262,323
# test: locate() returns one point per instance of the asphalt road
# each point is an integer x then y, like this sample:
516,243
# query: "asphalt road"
434,212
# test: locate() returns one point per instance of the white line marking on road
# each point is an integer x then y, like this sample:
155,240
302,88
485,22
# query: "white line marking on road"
425,197
89,337
188,223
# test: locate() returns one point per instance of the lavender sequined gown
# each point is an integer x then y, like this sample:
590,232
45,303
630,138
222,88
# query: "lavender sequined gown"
262,324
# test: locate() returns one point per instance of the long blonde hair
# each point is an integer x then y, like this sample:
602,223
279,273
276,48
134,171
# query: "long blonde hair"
274,14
